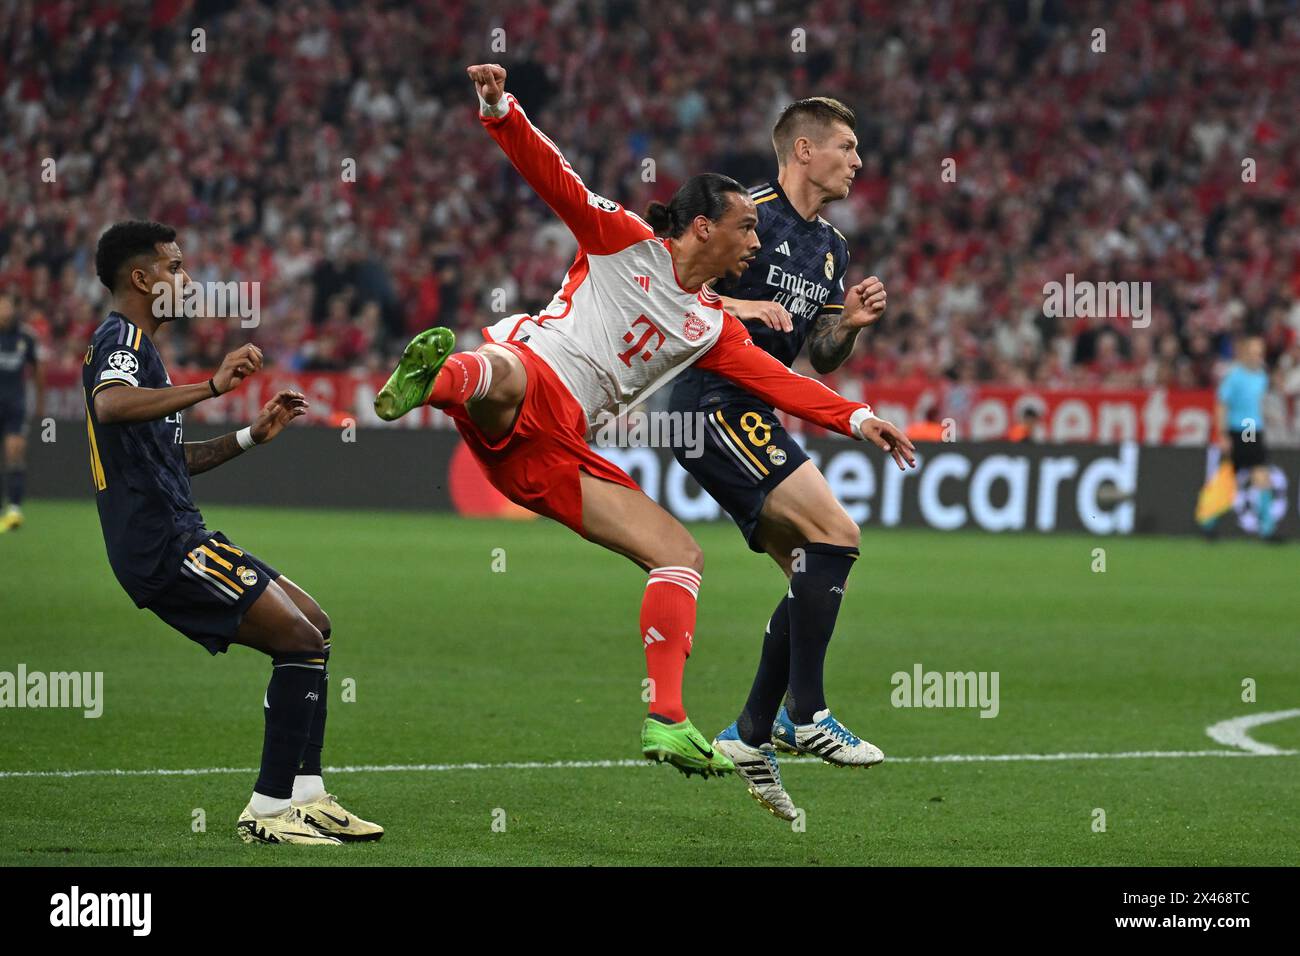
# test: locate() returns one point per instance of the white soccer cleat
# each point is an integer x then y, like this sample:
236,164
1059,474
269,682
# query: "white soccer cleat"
827,738
328,816
757,767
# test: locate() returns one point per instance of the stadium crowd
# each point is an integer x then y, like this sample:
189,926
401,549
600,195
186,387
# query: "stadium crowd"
1172,158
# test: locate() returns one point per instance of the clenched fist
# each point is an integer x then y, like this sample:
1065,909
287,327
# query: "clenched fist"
864,303
490,81
237,366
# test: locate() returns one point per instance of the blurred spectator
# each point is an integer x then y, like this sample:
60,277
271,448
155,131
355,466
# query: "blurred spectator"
1026,428
330,152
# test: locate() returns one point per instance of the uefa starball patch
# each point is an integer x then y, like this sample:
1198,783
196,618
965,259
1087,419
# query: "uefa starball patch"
124,361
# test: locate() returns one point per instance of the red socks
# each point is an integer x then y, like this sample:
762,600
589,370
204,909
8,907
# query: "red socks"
667,623
464,377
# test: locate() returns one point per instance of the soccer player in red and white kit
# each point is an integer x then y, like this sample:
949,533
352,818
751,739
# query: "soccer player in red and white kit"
632,313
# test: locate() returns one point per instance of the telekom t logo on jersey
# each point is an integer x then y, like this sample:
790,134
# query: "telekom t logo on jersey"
650,330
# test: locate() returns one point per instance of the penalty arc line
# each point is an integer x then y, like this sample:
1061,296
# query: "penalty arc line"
1236,732
610,764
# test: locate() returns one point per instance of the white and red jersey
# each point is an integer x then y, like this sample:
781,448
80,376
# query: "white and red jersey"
621,326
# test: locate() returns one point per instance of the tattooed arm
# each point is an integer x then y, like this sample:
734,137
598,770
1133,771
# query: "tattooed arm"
833,334
201,456
829,342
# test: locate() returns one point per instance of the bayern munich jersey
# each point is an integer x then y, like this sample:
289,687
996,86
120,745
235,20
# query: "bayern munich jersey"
621,326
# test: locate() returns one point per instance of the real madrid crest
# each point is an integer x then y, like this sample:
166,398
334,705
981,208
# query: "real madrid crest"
777,455
247,575
830,265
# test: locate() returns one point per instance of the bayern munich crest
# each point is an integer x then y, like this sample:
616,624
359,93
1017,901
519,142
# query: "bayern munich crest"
694,327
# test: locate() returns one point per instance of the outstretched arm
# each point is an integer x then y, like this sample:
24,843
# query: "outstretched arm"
772,314
201,456
735,357
119,401
600,225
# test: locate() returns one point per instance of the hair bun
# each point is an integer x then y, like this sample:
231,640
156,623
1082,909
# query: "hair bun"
660,217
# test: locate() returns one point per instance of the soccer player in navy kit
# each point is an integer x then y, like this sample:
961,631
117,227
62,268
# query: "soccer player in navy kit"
197,580
793,293
17,355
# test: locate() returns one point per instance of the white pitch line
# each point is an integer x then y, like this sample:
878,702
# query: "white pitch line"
1236,732
608,764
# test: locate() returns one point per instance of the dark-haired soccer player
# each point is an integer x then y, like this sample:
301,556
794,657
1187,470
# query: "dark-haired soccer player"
793,293
17,354
632,313
197,580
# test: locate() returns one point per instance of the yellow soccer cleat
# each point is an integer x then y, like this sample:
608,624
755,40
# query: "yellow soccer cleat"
287,827
327,816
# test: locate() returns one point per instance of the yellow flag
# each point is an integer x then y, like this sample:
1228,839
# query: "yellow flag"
1217,495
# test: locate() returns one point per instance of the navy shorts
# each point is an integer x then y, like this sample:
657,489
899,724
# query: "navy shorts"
13,417
216,586
1248,454
747,453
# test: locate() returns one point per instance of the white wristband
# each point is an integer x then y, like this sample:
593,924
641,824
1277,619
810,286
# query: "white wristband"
245,437
501,109
863,414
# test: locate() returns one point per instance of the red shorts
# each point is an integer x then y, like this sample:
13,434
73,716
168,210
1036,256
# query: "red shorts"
536,464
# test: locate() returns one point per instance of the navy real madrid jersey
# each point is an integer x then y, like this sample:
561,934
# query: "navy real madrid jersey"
17,351
801,266
142,485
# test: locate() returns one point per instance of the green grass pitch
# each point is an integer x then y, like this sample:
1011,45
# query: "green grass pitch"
455,663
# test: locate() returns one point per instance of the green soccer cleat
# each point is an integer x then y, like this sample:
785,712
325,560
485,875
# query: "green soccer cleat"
684,747
412,381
